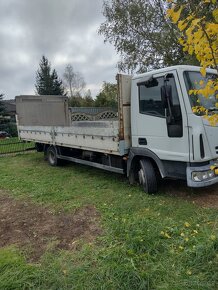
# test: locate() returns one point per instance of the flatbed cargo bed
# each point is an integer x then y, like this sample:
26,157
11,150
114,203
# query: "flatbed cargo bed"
49,120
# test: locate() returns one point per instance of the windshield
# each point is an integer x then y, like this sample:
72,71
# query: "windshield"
192,81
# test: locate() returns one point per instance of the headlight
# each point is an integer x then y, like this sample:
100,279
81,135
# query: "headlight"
202,175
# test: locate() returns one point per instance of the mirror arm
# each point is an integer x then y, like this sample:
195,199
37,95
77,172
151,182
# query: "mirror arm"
171,118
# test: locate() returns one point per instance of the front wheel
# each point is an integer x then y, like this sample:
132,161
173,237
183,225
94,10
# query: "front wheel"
147,176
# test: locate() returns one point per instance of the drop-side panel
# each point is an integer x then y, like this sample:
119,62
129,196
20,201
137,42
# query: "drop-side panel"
102,136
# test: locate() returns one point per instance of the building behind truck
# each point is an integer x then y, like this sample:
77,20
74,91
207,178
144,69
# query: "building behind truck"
153,134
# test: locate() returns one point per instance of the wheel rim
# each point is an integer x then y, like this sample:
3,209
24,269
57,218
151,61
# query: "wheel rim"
51,157
141,176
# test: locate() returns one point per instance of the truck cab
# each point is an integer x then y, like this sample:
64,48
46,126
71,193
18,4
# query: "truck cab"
165,131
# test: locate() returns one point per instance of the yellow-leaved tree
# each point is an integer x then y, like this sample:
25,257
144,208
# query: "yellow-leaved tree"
198,25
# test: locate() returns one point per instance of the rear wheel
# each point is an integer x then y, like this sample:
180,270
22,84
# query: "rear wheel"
147,176
52,156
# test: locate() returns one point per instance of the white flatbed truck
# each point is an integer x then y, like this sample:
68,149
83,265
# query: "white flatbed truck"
154,133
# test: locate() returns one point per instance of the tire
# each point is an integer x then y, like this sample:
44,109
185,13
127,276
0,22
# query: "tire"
147,176
52,156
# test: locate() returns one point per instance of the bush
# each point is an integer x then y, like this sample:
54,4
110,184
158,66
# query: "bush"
10,128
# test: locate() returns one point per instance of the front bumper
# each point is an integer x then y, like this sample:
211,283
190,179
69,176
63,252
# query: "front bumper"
202,183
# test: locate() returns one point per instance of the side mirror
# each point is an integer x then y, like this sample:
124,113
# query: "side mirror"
166,96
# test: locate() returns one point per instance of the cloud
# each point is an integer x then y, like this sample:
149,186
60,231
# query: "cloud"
65,31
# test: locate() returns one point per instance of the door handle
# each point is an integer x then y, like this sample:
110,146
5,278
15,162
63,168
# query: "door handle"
142,141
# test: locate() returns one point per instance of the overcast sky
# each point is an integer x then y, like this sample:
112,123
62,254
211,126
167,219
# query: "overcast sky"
65,31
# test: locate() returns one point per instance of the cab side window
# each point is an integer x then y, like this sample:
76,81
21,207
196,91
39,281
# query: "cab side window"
150,97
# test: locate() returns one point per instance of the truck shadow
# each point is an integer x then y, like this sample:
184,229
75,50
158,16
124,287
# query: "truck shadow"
205,197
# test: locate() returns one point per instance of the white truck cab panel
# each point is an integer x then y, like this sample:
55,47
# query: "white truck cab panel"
188,143
149,118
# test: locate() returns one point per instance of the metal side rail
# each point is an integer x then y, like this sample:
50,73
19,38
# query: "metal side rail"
93,164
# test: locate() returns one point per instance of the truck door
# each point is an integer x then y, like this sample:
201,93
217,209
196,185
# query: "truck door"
151,124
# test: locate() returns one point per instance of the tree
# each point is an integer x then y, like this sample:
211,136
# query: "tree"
198,36
85,101
88,100
76,101
142,35
198,32
47,81
107,96
2,108
74,81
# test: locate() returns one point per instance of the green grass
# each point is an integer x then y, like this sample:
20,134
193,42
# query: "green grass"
148,242
6,141
13,144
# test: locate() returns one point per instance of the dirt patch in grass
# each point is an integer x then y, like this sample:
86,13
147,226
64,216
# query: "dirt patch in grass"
205,197
38,229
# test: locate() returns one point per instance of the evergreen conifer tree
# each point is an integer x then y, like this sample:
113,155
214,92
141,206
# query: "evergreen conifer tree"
47,81
2,108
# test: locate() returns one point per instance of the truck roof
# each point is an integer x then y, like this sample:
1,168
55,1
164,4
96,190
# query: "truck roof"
175,67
